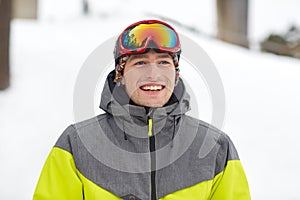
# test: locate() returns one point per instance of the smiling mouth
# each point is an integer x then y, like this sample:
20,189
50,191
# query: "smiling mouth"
152,87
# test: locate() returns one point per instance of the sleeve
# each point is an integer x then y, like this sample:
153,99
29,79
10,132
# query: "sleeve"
231,182
59,178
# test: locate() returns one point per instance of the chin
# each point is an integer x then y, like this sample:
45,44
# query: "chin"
153,104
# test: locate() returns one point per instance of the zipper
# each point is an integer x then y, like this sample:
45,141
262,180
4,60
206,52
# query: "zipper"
152,161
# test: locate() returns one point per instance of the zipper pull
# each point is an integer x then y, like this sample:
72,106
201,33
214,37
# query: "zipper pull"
149,127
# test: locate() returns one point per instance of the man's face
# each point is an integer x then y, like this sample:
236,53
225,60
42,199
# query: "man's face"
149,78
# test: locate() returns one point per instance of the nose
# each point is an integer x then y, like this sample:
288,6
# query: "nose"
153,71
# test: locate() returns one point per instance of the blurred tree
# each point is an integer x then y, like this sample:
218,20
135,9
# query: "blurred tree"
5,16
25,9
85,5
233,21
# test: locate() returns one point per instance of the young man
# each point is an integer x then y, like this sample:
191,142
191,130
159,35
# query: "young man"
144,146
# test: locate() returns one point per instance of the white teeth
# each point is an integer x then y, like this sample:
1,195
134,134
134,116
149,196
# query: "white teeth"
152,87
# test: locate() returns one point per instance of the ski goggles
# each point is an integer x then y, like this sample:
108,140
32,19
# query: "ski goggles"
140,36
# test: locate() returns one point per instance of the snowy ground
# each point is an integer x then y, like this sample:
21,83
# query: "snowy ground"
262,96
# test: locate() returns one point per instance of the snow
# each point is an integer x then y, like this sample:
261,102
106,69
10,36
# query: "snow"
262,94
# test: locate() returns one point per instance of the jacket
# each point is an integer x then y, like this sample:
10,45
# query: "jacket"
132,152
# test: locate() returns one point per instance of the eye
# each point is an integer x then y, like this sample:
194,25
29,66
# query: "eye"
164,62
140,63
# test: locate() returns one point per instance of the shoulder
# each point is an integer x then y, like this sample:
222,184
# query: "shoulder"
204,127
210,136
72,133
89,122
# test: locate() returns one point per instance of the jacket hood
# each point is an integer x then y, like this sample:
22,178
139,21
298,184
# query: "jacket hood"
115,101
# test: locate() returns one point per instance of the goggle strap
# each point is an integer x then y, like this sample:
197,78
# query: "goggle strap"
120,67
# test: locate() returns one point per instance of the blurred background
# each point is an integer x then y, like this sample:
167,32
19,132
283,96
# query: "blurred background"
255,46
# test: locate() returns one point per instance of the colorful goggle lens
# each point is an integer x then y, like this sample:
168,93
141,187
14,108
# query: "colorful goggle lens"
140,36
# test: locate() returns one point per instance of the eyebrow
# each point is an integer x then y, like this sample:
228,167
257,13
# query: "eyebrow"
163,56
139,56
